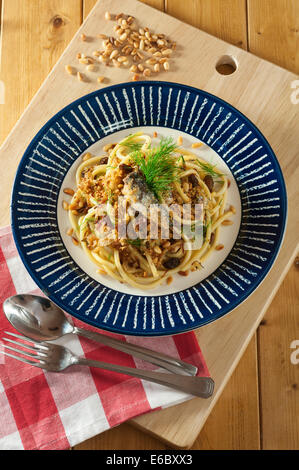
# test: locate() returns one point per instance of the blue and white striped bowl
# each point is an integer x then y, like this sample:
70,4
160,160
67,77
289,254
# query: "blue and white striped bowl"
63,273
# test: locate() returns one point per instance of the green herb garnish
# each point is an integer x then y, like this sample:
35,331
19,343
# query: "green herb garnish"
158,167
138,242
205,228
183,160
110,195
130,144
209,169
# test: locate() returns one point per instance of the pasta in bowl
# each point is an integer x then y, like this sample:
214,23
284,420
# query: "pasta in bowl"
217,195
148,210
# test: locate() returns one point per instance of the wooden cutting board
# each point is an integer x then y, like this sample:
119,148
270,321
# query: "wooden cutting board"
260,90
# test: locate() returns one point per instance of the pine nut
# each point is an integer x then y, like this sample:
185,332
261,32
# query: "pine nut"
65,205
133,68
180,140
196,145
91,68
151,61
107,16
102,36
75,241
122,58
147,72
140,67
166,244
156,68
70,232
80,76
84,61
87,156
167,52
69,69
135,77
184,273
227,222
83,37
114,54
69,191
166,66
219,247
101,79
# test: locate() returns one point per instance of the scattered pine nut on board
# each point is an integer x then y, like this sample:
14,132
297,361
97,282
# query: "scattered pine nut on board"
122,47
252,88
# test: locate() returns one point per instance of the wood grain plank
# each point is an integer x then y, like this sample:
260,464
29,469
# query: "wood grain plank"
273,31
273,35
89,4
225,20
34,36
234,422
279,378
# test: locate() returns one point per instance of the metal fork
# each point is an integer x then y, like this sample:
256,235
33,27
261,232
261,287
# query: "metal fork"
56,358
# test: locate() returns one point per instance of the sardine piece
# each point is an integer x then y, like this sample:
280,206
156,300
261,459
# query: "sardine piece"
135,186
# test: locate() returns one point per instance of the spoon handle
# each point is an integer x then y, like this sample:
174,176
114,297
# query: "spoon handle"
159,359
198,386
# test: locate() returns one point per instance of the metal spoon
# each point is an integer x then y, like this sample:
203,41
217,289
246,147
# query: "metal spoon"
40,319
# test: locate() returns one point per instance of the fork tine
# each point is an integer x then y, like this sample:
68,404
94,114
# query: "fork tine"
36,343
25,353
35,347
27,361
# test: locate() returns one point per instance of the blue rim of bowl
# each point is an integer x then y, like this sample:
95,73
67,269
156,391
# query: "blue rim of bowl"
225,309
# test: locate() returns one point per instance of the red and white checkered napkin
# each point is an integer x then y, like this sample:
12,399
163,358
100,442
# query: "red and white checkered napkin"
46,410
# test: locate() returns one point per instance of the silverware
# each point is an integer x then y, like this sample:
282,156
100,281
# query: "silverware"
55,358
41,320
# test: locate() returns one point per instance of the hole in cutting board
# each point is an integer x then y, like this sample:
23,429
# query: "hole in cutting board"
226,65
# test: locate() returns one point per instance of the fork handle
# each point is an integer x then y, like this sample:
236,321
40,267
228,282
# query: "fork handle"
159,359
199,386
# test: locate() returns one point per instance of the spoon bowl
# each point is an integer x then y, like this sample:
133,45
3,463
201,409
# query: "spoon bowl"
36,317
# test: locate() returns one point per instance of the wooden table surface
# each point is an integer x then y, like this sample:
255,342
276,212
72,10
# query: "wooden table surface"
34,33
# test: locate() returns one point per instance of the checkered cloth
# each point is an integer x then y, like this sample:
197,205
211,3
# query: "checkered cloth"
46,410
